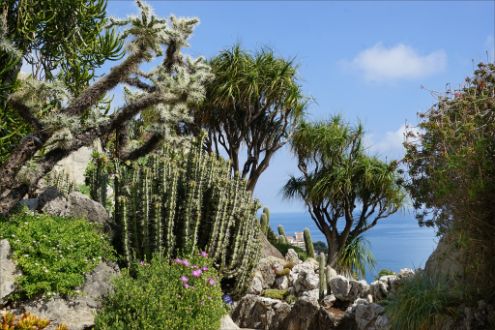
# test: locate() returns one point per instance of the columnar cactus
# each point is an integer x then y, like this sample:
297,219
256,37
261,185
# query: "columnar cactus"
264,223
177,203
308,242
281,232
323,277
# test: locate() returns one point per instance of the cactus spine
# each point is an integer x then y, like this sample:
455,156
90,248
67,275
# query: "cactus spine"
175,203
323,277
281,232
308,242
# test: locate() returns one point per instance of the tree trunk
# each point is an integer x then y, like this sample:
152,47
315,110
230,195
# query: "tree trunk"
333,250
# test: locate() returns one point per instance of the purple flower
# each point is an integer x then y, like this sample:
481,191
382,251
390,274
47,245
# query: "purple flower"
141,263
205,269
184,279
187,286
178,261
185,263
203,254
194,266
196,273
211,281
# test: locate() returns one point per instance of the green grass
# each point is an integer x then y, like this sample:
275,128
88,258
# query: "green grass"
421,303
53,253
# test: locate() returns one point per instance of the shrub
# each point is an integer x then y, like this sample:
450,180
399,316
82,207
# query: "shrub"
165,295
284,247
384,272
421,302
53,253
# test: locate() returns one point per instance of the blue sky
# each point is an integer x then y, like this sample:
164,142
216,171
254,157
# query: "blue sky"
364,60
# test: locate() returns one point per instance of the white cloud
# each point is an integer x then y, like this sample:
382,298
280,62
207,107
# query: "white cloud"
388,145
380,63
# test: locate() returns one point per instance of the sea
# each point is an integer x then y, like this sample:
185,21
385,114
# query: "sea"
397,241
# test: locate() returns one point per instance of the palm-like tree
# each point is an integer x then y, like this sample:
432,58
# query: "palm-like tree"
251,107
345,191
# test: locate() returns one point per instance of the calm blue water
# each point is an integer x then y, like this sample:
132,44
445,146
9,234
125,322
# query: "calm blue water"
397,241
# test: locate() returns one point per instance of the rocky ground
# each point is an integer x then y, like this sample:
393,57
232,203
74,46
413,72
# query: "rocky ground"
347,304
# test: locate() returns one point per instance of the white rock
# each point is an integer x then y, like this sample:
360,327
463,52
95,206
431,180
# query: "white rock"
340,287
256,286
292,256
366,315
328,300
282,282
8,271
226,323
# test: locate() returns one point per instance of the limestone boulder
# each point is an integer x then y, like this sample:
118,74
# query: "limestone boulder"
261,313
302,314
257,284
291,256
340,287
8,271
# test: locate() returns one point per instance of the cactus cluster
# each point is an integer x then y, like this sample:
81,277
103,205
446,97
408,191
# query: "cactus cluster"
61,180
323,277
308,242
176,203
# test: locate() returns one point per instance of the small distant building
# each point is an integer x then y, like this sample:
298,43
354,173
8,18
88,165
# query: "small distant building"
297,240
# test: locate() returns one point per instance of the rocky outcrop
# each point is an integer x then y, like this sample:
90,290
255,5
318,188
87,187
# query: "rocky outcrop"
226,323
447,260
302,314
366,316
260,312
76,312
269,250
8,271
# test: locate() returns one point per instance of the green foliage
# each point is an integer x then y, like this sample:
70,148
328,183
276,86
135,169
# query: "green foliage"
252,106
178,201
356,257
158,296
420,303
450,161
275,294
97,178
308,242
345,190
322,274
53,253
281,232
320,247
284,247
384,272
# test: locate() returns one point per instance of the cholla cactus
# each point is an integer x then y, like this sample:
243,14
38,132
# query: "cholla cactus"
177,202
308,242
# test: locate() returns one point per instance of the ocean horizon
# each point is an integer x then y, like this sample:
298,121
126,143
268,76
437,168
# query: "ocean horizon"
397,241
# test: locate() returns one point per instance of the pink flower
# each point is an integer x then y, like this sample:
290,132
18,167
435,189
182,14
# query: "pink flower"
184,279
196,273
187,286
185,263
194,266
203,254
178,261
211,281
205,269
141,263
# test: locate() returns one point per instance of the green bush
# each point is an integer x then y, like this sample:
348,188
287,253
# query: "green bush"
53,253
284,247
164,295
384,272
421,302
